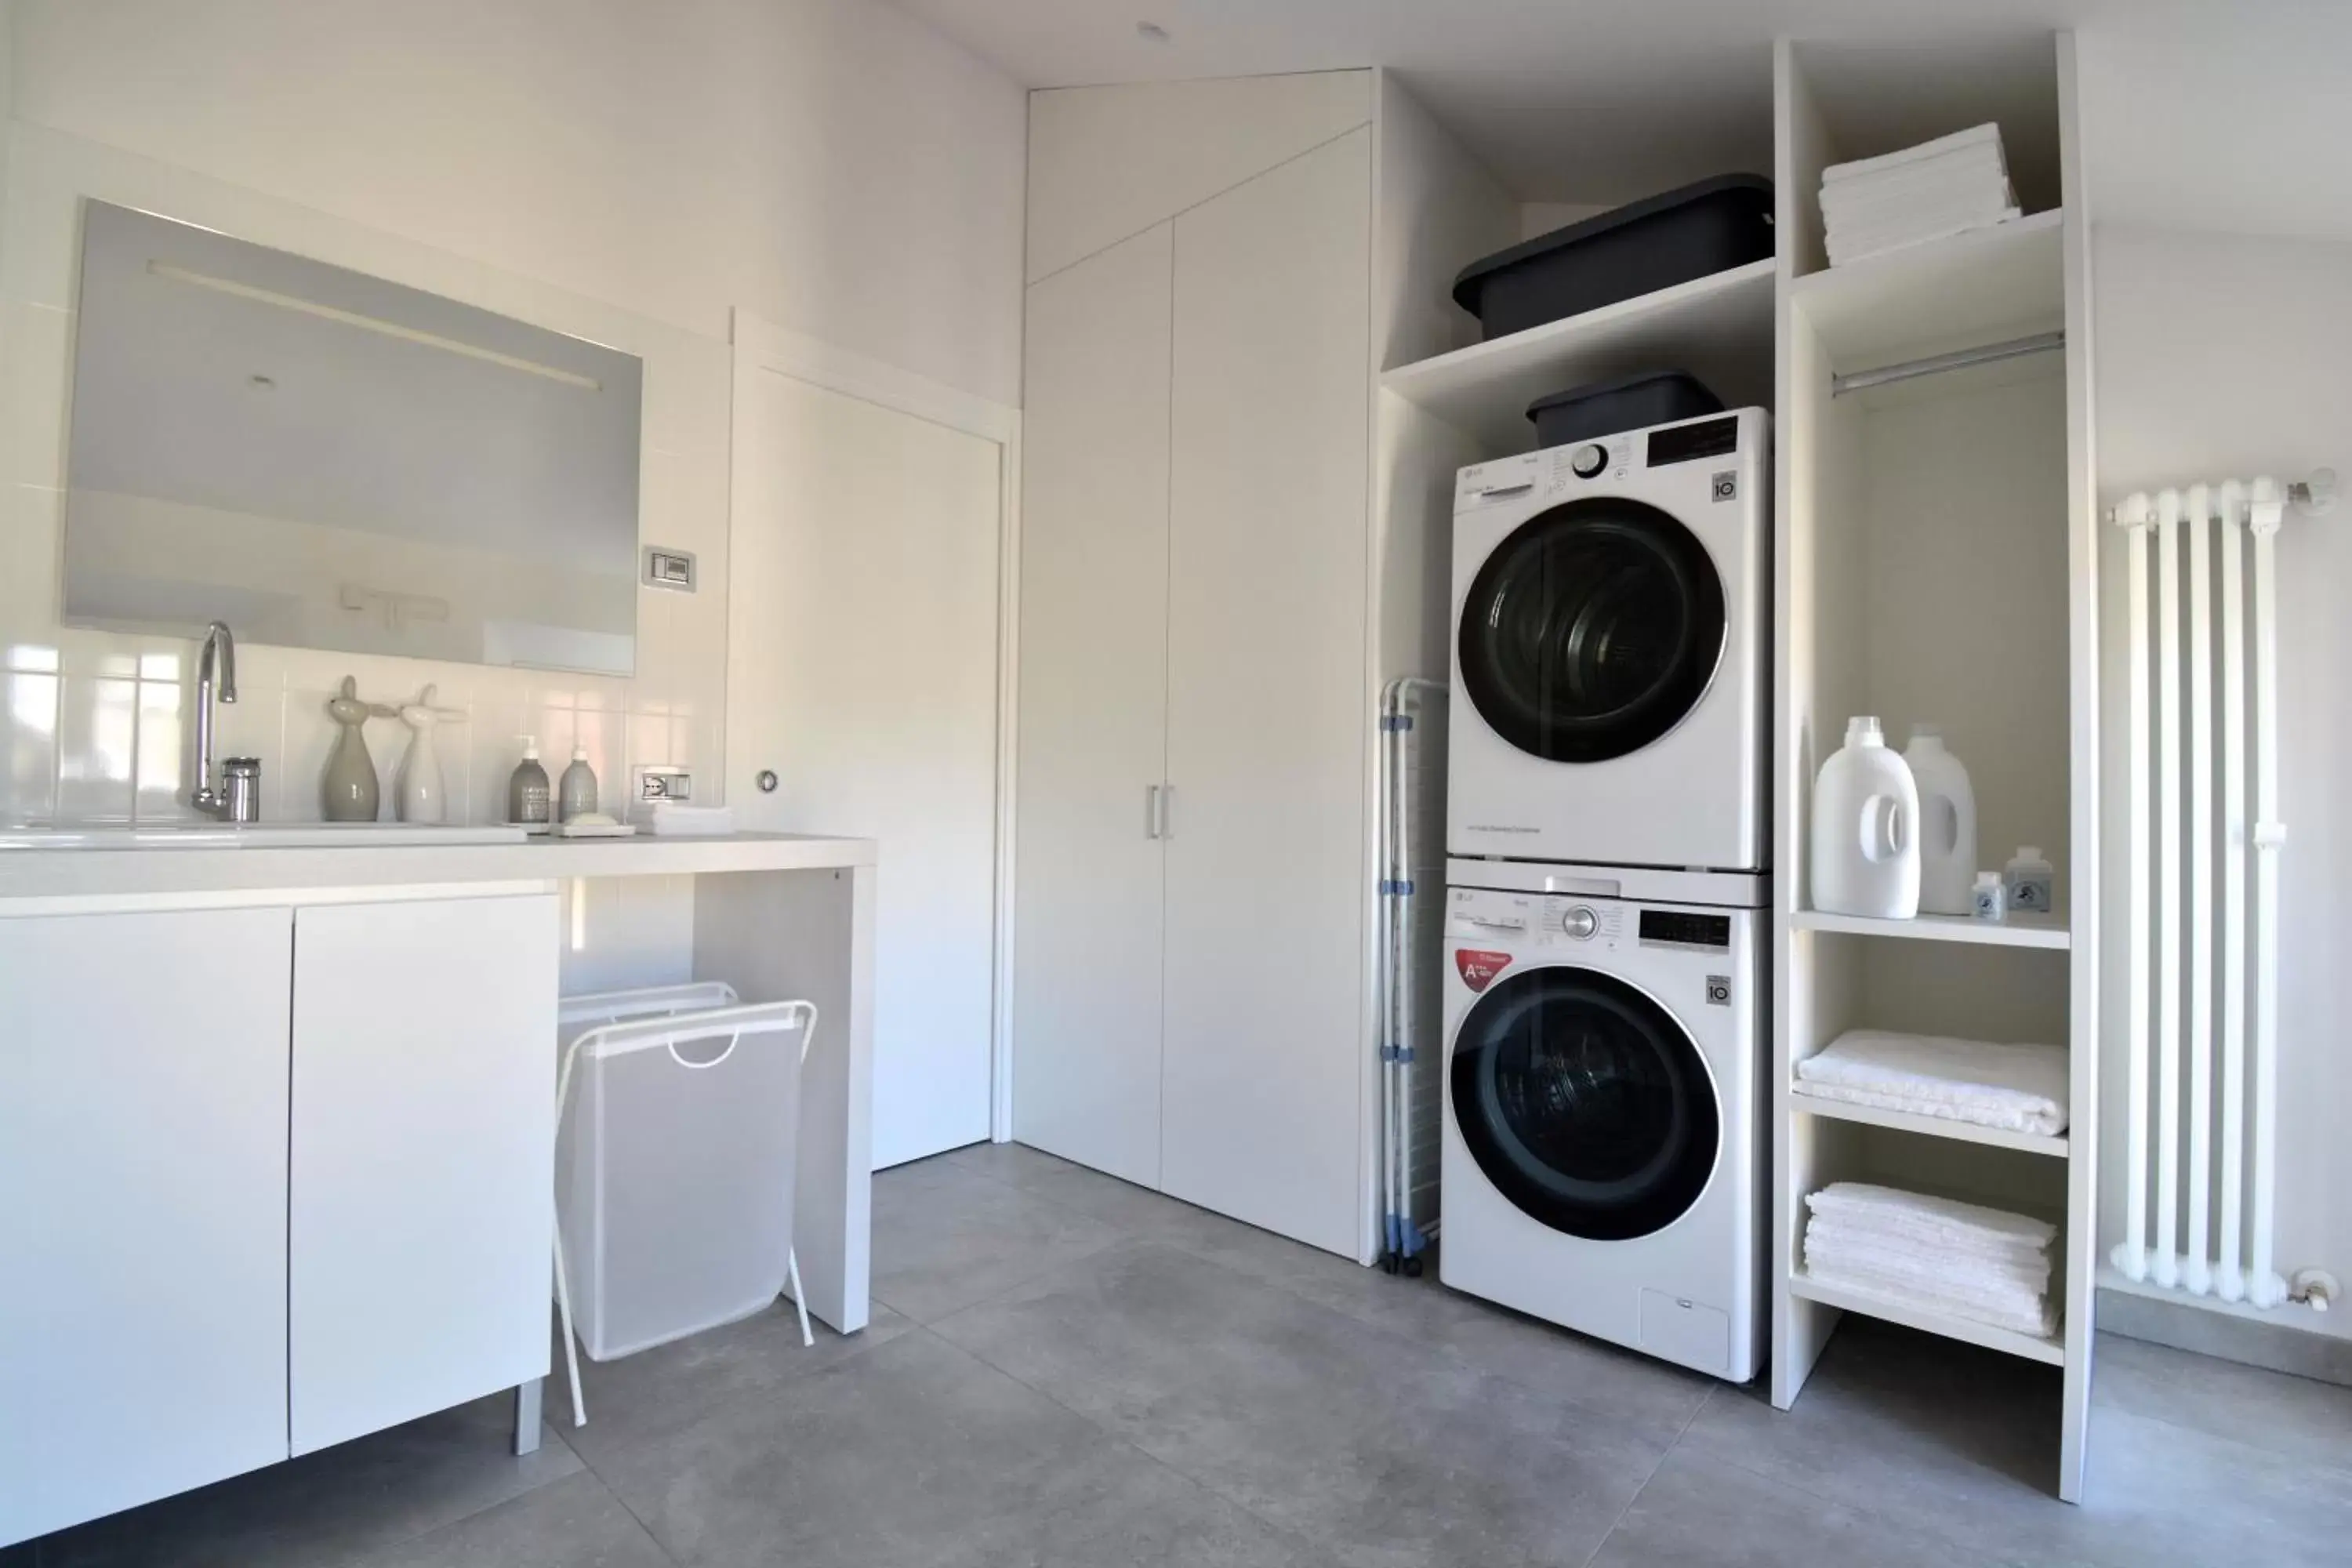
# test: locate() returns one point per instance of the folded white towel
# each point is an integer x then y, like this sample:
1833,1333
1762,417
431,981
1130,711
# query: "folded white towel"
2011,1260
2023,1088
1991,1292
1937,177
1843,251
666,819
1924,1219
2040,1321
1974,1114
1860,168
1849,206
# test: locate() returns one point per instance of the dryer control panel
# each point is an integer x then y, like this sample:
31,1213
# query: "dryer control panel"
1548,475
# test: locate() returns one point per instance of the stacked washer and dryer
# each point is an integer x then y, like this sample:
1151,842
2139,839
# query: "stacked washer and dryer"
1606,936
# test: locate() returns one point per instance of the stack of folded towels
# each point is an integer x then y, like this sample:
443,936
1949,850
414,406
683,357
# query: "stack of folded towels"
1932,191
2020,1089
1946,1256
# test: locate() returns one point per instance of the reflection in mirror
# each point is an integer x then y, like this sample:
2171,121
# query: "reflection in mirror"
329,460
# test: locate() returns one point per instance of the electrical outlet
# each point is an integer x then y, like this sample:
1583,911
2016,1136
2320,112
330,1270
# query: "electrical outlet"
670,569
657,781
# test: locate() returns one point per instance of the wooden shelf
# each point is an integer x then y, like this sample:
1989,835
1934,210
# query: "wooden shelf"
2051,1351
1931,1126
2018,931
1982,287
1720,328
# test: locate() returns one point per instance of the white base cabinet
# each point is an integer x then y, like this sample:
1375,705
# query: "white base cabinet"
270,1178
423,1147
143,1208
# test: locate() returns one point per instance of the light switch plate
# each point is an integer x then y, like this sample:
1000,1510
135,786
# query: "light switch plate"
670,569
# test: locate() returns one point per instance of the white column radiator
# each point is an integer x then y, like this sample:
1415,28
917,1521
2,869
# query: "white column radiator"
2201,1012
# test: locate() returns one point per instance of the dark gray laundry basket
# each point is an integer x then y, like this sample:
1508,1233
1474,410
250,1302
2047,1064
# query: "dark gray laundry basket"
1652,244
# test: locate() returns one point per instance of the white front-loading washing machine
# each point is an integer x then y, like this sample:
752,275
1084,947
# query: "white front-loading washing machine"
1603,1145
1613,650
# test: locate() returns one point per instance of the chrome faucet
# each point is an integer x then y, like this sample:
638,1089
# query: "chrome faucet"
218,645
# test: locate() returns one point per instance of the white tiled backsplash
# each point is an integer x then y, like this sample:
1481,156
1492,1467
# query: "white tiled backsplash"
99,727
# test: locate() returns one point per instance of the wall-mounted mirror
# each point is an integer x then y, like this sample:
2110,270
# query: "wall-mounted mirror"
325,459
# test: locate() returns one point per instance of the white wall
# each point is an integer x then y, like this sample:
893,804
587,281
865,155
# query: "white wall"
2231,355
619,171
832,164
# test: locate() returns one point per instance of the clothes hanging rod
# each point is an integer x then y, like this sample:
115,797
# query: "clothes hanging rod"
2039,342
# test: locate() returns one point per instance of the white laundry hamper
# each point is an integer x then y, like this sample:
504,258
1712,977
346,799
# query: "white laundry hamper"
678,1116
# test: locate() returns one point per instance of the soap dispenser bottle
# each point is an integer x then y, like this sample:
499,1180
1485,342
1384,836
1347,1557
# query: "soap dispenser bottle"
577,794
527,791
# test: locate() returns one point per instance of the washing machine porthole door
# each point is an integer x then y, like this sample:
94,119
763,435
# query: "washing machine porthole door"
1592,630
1585,1103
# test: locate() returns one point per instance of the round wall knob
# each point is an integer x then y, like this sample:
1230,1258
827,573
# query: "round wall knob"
1589,460
766,780
1580,922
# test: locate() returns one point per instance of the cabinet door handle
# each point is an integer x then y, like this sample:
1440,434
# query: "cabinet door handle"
1167,811
1151,811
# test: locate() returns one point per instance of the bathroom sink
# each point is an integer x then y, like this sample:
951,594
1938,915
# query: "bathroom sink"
250,836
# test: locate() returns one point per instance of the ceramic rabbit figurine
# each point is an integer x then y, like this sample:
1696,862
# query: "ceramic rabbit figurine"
348,791
417,794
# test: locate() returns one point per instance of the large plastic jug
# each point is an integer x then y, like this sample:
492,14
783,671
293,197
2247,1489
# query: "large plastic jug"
1947,825
1865,829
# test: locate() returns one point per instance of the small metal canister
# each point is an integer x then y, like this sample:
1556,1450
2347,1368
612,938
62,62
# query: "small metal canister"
241,789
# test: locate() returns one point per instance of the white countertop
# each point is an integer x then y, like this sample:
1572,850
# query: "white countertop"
75,873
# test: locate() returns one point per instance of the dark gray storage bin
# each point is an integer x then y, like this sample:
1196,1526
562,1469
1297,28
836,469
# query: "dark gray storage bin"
1633,402
1651,245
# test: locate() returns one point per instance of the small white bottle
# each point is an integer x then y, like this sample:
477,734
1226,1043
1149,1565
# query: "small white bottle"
1948,823
576,796
1991,900
2031,883
1865,843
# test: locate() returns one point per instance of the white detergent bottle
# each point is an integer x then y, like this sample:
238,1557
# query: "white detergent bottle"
1866,829
1947,825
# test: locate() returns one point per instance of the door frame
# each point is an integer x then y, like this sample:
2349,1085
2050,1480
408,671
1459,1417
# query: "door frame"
762,347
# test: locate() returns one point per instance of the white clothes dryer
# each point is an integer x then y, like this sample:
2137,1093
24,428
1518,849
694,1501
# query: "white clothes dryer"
1603,1145
1613,650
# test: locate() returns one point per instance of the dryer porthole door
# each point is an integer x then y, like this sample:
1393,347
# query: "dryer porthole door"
1584,1102
1592,630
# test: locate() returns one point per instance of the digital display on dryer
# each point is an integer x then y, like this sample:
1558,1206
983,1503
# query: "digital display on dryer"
1691,930
1706,439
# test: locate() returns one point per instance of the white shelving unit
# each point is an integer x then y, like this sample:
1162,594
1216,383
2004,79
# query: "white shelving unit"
1934,545
1804,1104
2018,931
1720,328
1844,1298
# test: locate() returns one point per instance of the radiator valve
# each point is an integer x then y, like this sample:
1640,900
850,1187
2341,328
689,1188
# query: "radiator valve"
2317,1288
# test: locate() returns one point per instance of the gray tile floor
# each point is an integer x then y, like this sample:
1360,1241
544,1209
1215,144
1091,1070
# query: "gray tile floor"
1072,1372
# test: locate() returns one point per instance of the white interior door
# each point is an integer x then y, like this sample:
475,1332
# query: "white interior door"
861,670
1269,711
1094,676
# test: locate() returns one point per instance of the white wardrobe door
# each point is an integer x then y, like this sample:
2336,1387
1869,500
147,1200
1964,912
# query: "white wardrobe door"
863,634
1094,649
1268,710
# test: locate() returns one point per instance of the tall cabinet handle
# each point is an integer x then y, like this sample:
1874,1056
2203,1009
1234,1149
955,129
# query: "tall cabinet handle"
1151,811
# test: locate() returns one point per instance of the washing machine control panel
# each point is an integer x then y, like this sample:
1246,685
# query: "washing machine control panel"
1534,920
